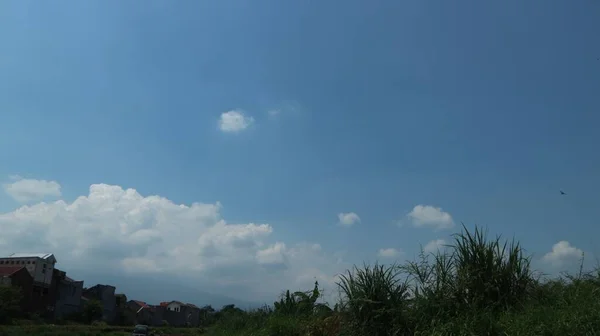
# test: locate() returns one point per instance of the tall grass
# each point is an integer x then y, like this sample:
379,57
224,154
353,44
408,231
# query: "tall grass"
476,286
469,288
375,298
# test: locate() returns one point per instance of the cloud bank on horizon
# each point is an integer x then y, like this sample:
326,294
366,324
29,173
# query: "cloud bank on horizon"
119,230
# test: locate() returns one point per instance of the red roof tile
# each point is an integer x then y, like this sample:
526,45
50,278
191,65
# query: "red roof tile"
9,270
141,304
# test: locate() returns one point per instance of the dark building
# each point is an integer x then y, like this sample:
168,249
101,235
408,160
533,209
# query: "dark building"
67,295
106,295
18,276
179,314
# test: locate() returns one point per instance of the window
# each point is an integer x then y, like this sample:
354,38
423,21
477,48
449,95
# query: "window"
29,262
1,262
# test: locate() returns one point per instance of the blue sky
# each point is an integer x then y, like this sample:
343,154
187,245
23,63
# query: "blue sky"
483,109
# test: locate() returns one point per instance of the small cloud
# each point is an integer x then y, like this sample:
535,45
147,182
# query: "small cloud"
274,112
431,217
284,108
27,190
234,121
562,253
348,219
434,246
389,253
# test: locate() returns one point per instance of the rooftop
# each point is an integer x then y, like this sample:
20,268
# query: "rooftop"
31,255
141,304
9,270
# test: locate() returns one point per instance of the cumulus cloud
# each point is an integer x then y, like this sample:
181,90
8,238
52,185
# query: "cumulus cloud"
434,246
27,190
427,216
348,219
389,253
563,253
234,121
274,254
117,230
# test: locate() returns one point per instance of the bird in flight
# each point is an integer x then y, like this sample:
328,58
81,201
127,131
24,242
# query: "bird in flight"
562,192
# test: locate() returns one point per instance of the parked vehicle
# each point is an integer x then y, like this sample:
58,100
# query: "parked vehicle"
141,330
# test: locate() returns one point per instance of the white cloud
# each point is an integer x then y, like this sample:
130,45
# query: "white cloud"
430,217
27,190
118,231
274,112
274,254
348,219
234,121
434,246
562,253
389,253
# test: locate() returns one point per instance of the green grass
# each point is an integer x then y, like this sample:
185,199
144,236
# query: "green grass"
478,286
87,330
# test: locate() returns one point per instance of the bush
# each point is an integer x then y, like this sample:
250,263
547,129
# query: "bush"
10,301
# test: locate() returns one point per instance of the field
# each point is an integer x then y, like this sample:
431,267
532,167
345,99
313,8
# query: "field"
479,286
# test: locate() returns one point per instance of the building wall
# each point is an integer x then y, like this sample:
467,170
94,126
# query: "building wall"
187,316
194,316
109,302
106,295
35,266
159,315
68,299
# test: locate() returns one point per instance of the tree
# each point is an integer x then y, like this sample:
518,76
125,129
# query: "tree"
301,303
10,300
92,311
207,315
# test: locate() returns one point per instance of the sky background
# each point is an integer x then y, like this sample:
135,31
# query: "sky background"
243,147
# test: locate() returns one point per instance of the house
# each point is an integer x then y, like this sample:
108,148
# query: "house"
106,295
41,268
68,295
144,313
179,314
18,276
39,265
